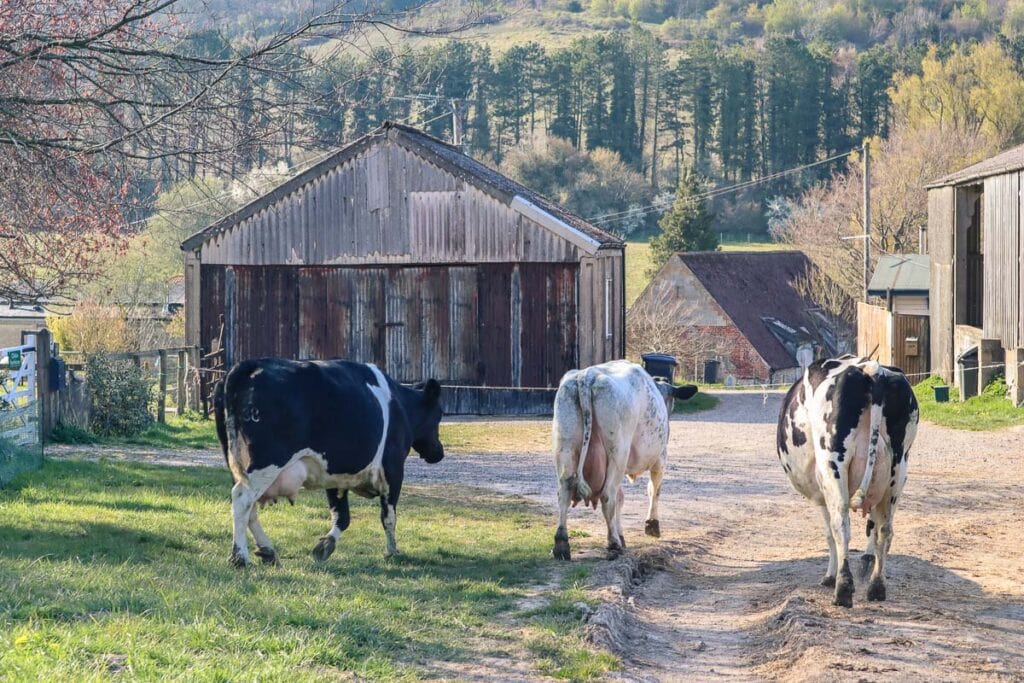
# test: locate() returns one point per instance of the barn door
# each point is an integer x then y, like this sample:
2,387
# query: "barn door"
548,322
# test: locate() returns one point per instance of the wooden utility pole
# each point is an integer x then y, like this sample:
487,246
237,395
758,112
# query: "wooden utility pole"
458,124
866,151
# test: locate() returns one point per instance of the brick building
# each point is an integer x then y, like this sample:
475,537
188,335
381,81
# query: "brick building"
743,309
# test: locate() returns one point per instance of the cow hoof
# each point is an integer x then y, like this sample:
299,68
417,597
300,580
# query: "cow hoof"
267,555
238,559
393,553
867,563
844,595
561,551
876,591
614,552
652,528
829,582
323,549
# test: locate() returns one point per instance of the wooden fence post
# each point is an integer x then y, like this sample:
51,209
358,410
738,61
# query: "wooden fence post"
181,384
47,412
161,401
195,378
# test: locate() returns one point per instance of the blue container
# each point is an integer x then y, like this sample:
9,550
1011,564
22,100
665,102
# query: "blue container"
941,394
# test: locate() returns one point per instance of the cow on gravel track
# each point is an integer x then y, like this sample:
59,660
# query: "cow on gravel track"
285,425
610,420
830,427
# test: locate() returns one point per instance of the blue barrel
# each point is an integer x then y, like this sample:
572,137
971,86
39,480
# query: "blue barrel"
660,365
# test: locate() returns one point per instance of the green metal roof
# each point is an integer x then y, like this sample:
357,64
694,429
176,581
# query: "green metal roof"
900,274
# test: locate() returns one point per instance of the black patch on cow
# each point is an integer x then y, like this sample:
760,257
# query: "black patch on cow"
852,392
835,468
823,442
870,527
830,393
794,397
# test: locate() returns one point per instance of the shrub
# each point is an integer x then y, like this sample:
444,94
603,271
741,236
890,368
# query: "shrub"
120,395
90,328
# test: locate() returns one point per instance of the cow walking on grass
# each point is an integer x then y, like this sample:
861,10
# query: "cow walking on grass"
844,437
336,425
610,420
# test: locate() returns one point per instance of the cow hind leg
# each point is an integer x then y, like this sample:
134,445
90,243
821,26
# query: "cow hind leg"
867,560
881,515
611,506
832,477
829,579
242,501
561,550
264,548
340,520
652,527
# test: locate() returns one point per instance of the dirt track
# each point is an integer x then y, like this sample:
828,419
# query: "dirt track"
743,553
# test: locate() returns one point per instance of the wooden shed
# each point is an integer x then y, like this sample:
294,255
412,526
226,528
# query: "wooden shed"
976,247
402,251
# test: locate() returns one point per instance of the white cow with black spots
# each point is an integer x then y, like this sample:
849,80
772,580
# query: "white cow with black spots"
610,420
844,437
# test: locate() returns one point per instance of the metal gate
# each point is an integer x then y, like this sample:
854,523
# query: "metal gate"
19,405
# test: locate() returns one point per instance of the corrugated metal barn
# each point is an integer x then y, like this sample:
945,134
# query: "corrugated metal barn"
402,251
976,246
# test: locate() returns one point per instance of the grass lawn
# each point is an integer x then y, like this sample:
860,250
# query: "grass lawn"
122,568
990,410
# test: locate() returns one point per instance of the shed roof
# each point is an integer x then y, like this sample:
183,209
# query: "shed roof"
900,274
1005,162
518,196
757,291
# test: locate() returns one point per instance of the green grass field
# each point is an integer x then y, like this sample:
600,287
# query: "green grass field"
121,569
990,410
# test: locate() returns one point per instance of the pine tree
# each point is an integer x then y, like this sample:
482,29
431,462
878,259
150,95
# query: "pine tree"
687,226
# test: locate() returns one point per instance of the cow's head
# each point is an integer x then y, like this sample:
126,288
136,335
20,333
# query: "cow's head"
670,392
426,440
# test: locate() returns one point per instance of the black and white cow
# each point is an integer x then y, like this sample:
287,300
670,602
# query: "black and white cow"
610,420
335,425
830,428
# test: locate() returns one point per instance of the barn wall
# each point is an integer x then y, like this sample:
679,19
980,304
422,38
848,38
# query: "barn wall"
1001,245
458,324
602,308
386,204
941,232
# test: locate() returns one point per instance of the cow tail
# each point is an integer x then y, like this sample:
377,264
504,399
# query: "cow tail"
583,385
877,374
220,418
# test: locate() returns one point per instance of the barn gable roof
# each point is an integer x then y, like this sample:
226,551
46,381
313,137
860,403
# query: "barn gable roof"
1005,162
756,291
520,198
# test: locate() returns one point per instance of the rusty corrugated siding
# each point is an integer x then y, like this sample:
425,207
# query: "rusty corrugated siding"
453,324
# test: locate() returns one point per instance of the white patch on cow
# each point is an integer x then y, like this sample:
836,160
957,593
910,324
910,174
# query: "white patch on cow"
389,530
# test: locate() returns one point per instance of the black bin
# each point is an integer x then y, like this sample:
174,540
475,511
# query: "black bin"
711,371
660,365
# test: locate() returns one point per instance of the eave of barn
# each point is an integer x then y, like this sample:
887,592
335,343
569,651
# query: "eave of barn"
387,199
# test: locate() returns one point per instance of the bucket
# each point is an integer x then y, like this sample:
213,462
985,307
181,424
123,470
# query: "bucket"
941,394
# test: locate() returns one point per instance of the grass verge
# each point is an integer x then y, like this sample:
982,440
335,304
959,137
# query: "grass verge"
121,568
990,410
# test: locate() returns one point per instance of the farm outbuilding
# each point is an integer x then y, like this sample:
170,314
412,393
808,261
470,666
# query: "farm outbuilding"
744,311
976,247
402,251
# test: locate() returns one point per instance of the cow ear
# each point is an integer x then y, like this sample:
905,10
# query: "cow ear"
684,392
432,390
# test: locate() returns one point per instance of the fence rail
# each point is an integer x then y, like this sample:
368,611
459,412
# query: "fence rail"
175,371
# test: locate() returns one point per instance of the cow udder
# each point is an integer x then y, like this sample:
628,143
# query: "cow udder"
595,468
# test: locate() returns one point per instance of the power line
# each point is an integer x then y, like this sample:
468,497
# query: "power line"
716,192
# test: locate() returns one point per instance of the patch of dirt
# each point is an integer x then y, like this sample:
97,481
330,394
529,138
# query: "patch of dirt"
731,589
